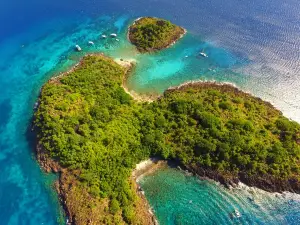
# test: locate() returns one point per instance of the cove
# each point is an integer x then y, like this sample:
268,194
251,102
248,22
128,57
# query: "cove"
177,197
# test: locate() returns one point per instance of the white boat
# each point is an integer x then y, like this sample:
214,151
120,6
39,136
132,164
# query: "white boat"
103,36
91,43
113,35
78,48
117,39
237,213
203,54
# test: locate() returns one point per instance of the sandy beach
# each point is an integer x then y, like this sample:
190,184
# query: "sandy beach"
144,168
147,167
129,65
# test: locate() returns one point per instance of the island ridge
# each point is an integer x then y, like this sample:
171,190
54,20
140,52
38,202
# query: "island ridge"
94,133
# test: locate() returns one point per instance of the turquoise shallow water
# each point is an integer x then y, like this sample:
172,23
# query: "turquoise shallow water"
182,62
179,198
253,44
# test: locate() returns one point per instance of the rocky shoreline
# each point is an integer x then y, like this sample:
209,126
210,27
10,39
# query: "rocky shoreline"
223,86
229,180
49,165
266,182
67,181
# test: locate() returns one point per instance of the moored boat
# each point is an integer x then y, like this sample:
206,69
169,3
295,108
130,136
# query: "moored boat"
237,213
204,54
78,48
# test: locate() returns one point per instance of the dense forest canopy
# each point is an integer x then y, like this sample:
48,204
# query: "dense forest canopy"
88,123
150,34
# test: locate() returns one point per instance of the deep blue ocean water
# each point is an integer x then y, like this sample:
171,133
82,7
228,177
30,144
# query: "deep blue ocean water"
252,44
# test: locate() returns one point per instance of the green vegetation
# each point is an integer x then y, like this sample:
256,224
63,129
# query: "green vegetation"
89,124
150,34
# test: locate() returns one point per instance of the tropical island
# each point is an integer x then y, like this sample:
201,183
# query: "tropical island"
150,34
93,133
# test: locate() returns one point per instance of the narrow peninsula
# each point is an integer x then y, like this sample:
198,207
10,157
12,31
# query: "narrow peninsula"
150,34
94,133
